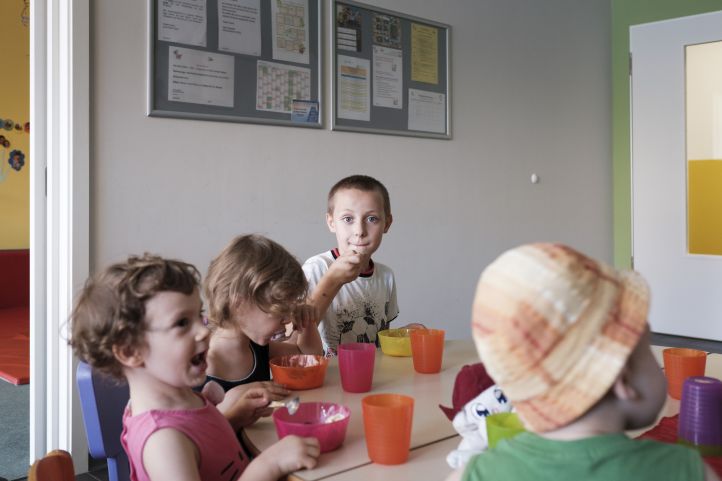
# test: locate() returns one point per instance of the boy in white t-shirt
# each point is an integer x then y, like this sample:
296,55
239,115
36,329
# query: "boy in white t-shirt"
354,296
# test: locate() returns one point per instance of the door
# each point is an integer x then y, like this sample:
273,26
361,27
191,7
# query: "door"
676,90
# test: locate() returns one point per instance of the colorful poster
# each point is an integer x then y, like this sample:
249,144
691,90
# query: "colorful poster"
278,85
353,88
305,111
424,54
182,21
239,26
289,21
200,77
348,28
387,31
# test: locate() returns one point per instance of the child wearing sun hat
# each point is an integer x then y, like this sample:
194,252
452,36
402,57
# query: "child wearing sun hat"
566,338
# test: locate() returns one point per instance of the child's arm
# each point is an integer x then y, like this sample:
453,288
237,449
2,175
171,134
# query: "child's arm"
709,474
169,454
305,338
344,269
455,475
286,456
243,405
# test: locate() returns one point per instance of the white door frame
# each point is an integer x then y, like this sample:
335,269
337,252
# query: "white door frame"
685,287
59,217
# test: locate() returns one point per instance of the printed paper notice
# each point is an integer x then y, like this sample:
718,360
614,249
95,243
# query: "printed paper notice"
290,30
239,26
427,111
353,88
388,78
278,85
200,77
348,28
424,54
182,21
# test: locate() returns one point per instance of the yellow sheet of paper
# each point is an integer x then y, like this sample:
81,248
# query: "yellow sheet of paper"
424,54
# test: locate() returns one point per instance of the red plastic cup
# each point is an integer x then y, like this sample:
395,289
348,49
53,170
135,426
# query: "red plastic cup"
427,349
387,425
356,365
679,364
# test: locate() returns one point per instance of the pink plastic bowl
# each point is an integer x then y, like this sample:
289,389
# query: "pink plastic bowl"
308,421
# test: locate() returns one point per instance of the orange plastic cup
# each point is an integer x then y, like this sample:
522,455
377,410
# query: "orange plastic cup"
679,364
387,425
427,349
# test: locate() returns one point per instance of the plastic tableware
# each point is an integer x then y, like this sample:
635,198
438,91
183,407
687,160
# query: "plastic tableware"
679,364
290,404
356,365
427,349
387,425
700,415
395,342
299,371
502,426
326,422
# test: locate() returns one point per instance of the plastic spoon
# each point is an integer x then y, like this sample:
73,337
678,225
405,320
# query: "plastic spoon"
290,404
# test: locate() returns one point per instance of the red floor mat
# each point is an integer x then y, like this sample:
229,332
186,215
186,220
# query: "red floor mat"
666,431
15,345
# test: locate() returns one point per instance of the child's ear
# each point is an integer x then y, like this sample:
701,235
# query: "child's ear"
623,388
389,220
128,356
329,222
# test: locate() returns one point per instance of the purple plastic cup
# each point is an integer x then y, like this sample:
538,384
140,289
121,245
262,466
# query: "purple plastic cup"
700,415
356,364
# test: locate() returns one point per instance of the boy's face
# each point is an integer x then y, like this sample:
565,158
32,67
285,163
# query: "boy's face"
358,221
648,379
176,339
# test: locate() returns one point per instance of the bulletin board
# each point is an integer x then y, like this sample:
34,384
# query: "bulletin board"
391,72
253,61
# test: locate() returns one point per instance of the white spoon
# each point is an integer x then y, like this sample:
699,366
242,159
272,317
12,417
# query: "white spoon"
290,404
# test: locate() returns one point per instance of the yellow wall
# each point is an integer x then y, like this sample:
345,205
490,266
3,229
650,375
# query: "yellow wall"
15,105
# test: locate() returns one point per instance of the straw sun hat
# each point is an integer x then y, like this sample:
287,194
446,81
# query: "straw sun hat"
554,328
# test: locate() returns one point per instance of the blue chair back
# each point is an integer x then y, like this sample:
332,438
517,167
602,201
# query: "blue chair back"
103,401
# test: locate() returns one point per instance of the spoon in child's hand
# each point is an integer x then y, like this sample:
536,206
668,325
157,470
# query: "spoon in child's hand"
290,404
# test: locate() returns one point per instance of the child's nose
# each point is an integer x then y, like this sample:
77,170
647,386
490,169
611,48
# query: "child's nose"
202,332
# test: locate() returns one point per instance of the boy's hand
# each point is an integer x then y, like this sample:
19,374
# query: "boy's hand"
347,266
304,316
293,453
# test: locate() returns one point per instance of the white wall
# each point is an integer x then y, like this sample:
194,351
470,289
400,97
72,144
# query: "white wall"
531,93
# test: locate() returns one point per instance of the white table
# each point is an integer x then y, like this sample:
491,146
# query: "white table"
391,375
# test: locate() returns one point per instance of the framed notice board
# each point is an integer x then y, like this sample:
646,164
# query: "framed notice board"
236,60
391,72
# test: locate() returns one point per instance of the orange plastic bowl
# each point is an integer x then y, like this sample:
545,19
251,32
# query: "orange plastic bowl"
395,342
299,371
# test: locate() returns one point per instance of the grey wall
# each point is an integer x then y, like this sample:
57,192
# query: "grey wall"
531,94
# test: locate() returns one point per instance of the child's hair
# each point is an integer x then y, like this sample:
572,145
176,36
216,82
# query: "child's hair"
363,183
554,329
110,310
252,268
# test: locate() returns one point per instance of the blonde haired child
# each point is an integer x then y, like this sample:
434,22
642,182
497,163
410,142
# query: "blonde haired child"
566,337
141,320
254,289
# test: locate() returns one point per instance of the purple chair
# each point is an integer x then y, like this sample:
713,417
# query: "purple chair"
103,401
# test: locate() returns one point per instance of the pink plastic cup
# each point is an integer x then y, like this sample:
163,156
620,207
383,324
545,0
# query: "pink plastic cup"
356,364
